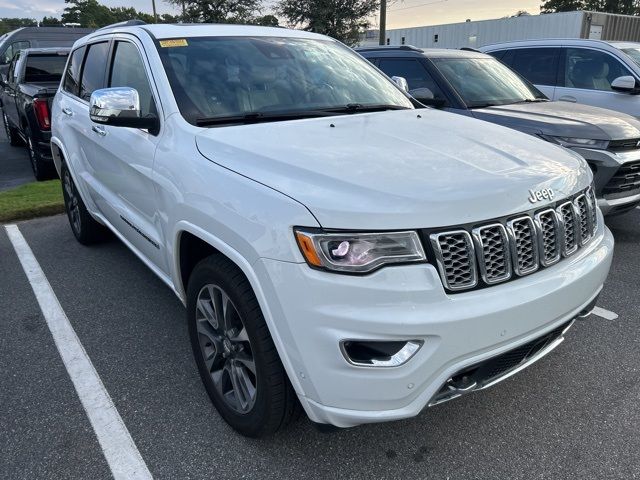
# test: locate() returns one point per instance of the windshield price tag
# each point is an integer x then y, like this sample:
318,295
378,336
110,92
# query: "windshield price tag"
175,42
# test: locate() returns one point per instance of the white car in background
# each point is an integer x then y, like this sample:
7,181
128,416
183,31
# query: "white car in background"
593,72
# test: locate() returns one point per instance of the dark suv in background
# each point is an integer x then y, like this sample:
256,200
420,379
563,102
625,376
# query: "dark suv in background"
477,85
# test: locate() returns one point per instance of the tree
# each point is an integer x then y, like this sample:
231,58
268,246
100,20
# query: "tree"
9,24
625,7
88,13
343,20
267,21
218,11
50,22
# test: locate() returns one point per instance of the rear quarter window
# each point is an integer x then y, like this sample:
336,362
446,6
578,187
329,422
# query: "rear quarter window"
44,68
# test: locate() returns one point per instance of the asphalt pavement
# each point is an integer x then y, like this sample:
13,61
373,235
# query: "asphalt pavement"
15,168
573,414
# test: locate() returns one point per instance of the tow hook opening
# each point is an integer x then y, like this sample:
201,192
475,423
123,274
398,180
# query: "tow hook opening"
373,353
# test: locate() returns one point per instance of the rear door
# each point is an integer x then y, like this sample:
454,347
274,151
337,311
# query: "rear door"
586,75
10,93
539,65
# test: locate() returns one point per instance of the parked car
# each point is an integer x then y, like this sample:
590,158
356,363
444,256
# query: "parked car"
335,248
478,85
592,72
36,37
27,91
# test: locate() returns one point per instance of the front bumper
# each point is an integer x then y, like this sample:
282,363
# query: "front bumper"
605,165
314,310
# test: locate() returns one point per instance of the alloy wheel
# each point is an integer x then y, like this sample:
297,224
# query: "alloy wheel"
226,349
73,208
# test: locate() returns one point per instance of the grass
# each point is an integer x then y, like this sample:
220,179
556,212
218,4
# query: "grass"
37,199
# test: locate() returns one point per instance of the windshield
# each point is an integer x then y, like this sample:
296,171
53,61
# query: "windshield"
634,53
485,82
220,77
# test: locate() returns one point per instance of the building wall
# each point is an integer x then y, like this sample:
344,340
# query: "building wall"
615,27
477,34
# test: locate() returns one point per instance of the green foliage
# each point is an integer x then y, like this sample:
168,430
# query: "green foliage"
340,19
218,11
9,24
50,22
625,7
267,21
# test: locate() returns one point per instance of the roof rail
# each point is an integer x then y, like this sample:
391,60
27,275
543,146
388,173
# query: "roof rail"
469,49
128,23
389,47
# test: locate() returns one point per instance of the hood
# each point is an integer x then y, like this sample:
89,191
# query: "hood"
563,119
397,169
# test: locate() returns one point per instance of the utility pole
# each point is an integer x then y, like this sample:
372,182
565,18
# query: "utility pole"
383,22
155,14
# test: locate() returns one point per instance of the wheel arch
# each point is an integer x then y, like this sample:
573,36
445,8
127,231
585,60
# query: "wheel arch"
188,236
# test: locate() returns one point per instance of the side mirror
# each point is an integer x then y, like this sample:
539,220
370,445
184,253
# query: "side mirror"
624,84
120,107
401,82
425,96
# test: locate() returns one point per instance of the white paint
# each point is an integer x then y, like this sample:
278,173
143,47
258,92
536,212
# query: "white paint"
117,445
606,314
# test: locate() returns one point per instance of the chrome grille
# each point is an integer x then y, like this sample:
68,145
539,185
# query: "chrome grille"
548,237
494,257
503,249
584,219
591,197
456,259
524,245
568,216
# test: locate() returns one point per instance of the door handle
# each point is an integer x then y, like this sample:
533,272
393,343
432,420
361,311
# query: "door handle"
99,130
67,111
568,98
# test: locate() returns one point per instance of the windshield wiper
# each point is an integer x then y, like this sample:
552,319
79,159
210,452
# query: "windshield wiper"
259,117
360,108
533,100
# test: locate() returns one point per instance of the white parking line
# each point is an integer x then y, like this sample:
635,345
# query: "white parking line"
121,453
606,314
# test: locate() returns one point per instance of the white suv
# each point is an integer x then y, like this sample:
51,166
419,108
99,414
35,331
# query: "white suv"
334,247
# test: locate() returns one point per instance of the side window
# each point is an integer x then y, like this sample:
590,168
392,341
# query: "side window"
127,70
72,73
591,69
12,49
538,65
93,69
413,71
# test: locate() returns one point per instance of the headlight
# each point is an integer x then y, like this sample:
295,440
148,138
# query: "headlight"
577,142
354,252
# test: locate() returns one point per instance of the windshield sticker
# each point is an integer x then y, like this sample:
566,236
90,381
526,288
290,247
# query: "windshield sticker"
176,42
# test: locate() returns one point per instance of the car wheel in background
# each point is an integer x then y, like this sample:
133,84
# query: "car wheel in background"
234,351
12,133
42,169
84,227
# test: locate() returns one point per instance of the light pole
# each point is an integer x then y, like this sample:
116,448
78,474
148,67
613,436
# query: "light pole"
155,14
383,23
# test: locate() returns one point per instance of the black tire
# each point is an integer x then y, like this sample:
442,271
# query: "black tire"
12,132
42,169
275,403
84,227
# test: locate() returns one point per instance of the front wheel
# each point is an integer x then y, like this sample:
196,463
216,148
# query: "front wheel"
84,227
235,354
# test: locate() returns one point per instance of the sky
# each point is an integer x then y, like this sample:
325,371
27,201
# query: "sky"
401,13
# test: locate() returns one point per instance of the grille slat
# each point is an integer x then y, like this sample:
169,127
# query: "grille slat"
496,252
626,181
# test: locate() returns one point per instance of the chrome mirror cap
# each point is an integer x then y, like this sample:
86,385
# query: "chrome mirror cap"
401,82
112,103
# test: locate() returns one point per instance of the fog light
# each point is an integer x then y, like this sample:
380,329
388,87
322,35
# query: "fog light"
379,353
